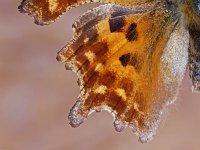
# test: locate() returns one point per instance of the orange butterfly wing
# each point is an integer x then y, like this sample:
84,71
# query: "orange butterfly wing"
126,61
47,11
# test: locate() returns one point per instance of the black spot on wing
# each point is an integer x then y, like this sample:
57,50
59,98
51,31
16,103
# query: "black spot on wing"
116,23
132,32
124,59
131,60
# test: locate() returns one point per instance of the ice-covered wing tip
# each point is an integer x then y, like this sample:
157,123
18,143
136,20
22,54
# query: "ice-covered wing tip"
45,12
35,12
78,114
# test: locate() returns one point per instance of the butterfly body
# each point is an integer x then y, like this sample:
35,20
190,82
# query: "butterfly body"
129,60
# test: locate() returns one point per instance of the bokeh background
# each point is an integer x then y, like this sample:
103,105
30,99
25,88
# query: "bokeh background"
36,94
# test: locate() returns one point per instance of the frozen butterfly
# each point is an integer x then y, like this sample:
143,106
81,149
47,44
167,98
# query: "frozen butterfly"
130,56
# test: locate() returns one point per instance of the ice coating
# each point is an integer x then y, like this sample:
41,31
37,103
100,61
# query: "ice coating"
175,58
77,117
119,125
178,38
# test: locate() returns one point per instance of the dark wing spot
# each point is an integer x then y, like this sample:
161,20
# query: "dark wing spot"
132,60
132,33
116,23
124,59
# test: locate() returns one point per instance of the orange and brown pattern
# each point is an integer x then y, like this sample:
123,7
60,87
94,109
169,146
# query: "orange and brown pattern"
47,11
130,59
118,68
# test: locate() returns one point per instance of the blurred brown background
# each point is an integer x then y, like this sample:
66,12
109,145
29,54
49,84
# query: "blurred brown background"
36,94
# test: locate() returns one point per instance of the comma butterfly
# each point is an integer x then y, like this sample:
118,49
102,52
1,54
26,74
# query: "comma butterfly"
130,56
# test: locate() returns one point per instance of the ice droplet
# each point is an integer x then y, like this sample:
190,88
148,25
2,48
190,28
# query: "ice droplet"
146,137
119,125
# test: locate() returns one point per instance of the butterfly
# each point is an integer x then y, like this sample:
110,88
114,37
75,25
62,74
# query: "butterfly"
130,56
